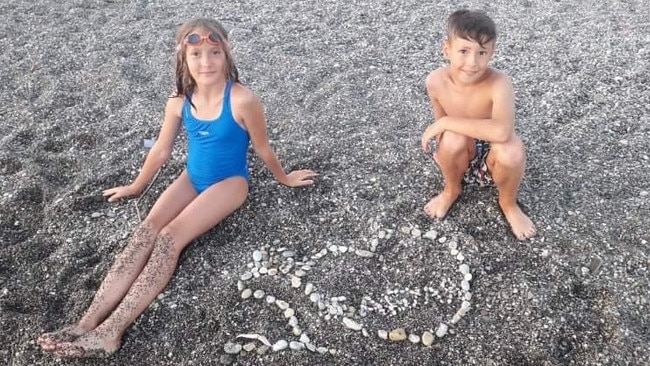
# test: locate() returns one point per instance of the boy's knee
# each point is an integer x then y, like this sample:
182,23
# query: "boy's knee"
452,143
512,153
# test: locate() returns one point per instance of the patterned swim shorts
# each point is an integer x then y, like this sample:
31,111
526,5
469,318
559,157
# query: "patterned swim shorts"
477,172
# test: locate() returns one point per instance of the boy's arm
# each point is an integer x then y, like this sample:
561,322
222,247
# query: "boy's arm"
497,129
438,111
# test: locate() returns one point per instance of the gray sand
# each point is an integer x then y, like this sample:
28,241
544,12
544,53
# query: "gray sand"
342,82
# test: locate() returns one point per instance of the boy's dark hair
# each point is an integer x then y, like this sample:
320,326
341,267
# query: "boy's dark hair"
472,25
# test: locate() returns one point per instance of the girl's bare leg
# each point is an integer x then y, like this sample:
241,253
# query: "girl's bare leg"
203,213
507,163
128,265
453,155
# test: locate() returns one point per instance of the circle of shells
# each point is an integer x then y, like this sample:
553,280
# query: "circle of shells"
282,262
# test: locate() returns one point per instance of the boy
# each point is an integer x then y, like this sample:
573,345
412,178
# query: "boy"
473,106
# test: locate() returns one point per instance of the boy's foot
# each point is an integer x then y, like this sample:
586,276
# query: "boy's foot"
521,225
49,341
439,205
90,345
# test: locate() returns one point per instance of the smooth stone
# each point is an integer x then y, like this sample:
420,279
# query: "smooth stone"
465,305
463,268
460,257
283,305
427,339
288,313
280,345
452,245
382,334
288,253
293,321
343,248
258,294
456,318
309,288
295,282
297,331
321,350
240,285
270,299
246,293
296,346
453,252
467,296
300,273
442,330
263,270
261,350
272,271
257,256
314,297
304,338
381,234
246,276
431,234
351,324
416,233
465,285
364,253
414,338
248,347
311,347
468,277
232,348
397,335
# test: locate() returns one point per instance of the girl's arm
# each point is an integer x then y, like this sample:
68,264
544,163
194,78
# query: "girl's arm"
248,109
157,156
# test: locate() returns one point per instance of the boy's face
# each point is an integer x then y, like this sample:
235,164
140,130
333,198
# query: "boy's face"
468,59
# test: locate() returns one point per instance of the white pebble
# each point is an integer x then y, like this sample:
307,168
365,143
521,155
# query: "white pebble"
246,293
280,345
442,330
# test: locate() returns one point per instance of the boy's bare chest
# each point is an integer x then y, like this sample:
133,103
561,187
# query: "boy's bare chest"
466,104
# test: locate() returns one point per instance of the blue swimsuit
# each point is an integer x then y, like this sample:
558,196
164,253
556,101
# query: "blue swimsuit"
217,148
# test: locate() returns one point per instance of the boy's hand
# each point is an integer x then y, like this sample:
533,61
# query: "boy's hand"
300,178
431,132
115,193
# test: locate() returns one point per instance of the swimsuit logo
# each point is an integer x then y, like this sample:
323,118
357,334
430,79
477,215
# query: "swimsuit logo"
204,133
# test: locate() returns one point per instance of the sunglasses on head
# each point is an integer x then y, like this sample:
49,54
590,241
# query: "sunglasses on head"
196,39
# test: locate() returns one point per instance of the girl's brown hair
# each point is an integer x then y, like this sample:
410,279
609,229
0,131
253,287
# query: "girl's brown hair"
184,81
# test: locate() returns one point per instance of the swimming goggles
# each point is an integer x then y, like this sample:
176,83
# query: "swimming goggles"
196,39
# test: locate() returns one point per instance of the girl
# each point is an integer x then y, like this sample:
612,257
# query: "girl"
220,116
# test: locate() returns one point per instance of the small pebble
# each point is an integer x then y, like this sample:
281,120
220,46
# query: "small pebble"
414,338
382,334
351,324
427,339
296,346
397,335
258,294
442,330
280,345
246,293
232,348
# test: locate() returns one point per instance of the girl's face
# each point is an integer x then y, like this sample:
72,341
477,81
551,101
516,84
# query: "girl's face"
206,59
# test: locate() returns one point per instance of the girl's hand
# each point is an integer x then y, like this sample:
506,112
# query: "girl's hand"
114,194
300,178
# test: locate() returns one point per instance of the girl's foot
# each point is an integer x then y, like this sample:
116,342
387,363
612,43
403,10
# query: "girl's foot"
49,341
90,345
